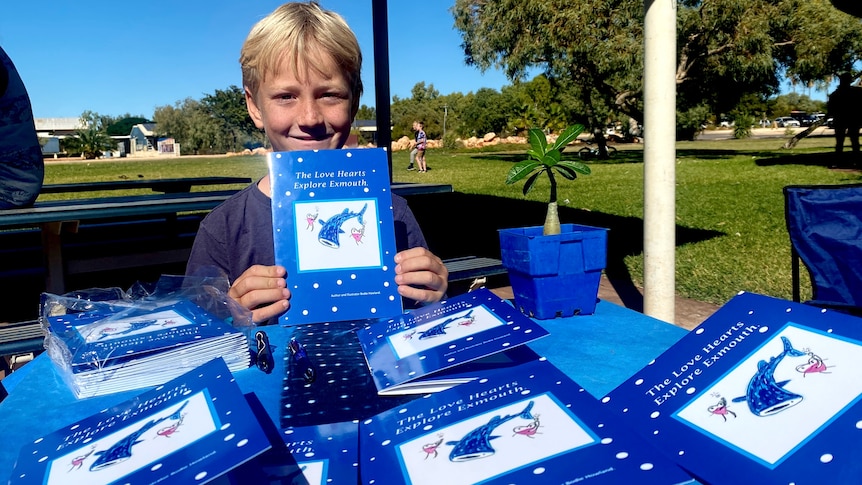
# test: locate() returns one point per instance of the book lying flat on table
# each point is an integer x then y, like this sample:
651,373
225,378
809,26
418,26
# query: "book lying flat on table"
446,343
193,429
325,454
102,353
763,391
527,424
333,229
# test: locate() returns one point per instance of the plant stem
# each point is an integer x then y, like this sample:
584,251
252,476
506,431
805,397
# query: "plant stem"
552,221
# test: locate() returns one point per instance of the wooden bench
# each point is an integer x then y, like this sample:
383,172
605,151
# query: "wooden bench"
53,216
168,186
407,188
472,267
21,337
19,343
471,272
177,185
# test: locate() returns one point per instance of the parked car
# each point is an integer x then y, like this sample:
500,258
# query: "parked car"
786,121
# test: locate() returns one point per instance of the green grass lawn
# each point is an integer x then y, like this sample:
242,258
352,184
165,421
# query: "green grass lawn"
731,233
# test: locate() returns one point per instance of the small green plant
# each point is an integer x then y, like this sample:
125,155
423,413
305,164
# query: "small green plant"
546,158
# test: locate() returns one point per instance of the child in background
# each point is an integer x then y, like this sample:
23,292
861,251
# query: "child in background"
421,143
301,76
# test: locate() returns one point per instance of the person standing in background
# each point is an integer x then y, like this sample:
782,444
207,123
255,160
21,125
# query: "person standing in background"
22,169
421,144
843,106
415,149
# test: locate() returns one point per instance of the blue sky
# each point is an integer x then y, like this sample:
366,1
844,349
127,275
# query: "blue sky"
115,58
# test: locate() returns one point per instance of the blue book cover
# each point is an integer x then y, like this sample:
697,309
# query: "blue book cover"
764,391
527,424
191,430
333,230
93,341
424,350
325,454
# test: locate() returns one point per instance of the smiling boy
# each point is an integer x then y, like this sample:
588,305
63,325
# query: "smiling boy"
301,76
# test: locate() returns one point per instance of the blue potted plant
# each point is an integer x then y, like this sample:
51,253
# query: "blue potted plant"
555,270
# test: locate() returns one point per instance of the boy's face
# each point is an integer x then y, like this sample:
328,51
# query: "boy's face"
309,112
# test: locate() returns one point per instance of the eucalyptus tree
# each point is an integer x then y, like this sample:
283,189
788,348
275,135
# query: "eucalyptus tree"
725,48
229,108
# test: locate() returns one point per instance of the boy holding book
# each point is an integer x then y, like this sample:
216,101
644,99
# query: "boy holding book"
301,76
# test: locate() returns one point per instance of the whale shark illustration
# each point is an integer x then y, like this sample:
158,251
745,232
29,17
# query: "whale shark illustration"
122,449
133,327
329,230
440,328
477,443
766,397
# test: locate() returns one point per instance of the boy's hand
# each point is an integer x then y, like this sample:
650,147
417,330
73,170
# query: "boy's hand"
263,290
420,275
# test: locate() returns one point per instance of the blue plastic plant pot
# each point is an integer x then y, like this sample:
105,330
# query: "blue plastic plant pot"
555,275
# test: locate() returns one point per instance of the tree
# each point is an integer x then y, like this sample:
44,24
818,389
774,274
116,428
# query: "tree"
123,126
95,120
191,125
228,106
487,111
725,48
366,113
90,143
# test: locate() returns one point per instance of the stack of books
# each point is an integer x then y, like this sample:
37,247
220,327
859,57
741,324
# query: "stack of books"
100,353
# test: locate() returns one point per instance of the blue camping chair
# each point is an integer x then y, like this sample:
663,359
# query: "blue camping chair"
825,227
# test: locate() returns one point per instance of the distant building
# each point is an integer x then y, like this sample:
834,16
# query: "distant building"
51,130
60,127
143,137
368,128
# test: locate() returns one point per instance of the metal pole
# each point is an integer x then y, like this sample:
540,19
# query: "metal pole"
445,114
660,158
380,26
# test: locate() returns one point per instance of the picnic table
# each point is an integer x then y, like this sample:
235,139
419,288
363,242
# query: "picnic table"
173,197
168,186
52,216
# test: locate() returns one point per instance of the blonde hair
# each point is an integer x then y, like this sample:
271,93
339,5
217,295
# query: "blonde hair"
300,33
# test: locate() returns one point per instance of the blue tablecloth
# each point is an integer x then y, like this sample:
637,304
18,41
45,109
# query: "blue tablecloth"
598,351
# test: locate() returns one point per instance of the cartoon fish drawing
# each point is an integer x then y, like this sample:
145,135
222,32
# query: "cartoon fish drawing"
815,365
530,430
766,397
78,461
430,449
477,443
122,449
721,409
440,328
329,230
167,431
